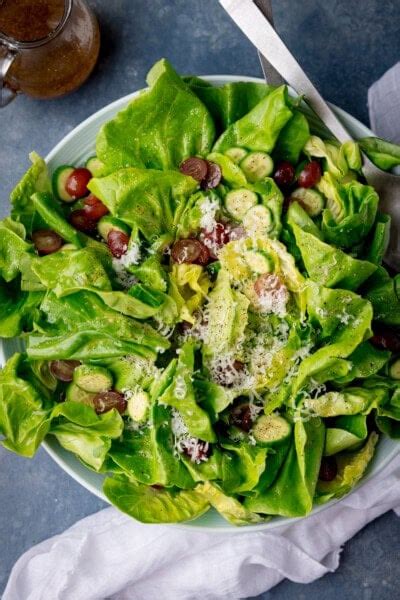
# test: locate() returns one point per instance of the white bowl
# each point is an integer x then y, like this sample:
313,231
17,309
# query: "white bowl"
75,148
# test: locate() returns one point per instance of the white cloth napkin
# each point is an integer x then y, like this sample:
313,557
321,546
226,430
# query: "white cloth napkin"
108,555
384,105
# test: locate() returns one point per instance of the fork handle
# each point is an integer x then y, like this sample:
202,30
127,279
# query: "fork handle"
264,37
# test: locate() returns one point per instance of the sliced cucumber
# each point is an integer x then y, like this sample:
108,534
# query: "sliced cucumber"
271,430
109,223
257,166
236,154
259,261
77,394
68,247
238,202
394,369
258,221
95,165
92,378
138,406
59,180
311,200
147,295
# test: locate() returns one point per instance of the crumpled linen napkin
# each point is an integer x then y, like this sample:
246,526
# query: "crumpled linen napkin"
110,556
384,105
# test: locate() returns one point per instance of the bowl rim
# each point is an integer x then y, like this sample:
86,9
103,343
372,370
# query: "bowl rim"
51,446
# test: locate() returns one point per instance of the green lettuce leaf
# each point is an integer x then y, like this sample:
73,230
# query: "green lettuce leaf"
18,309
24,411
328,265
36,179
13,248
351,468
346,433
147,454
350,212
383,153
292,139
147,200
260,128
82,327
51,214
159,128
230,102
350,401
80,430
292,492
380,290
242,466
153,505
227,317
228,507
180,395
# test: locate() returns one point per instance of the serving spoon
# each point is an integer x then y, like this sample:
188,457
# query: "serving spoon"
282,66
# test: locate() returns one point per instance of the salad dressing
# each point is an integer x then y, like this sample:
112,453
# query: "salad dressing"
65,58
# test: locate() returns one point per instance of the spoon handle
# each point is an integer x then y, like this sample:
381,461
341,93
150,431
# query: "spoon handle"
271,75
264,37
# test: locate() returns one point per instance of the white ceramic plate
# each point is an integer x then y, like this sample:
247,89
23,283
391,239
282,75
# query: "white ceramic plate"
75,148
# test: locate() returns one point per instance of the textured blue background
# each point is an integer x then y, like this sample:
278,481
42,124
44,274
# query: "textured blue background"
344,45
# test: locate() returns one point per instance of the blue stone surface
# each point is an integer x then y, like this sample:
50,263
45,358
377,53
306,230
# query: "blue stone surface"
344,45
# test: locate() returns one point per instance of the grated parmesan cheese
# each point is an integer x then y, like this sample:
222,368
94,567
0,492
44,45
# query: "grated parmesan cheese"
208,209
185,443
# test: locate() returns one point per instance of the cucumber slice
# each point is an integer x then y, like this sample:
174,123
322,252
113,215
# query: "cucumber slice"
238,202
257,166
95,165
68,247
258,221
259,261
77,394
138,406
311,200
271,430
147,295
59,180
92,378
394,369
109,223
236,154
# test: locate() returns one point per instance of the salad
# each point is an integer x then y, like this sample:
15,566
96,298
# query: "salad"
203,308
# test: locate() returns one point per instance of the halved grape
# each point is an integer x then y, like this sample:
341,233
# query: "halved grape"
190,251
46,241
310,175
194,167
284,174
94,208
63,370
105,401
118,242
81,221
76,184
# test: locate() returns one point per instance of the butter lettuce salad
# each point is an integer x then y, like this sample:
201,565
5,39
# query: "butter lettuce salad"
205,317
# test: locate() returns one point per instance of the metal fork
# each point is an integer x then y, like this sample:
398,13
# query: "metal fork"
253,19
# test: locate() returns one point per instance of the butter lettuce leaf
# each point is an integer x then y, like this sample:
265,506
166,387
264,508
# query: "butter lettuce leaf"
36,179
259,129
351,468
292,492
328,265
153,505
158,129
148,200
24,410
